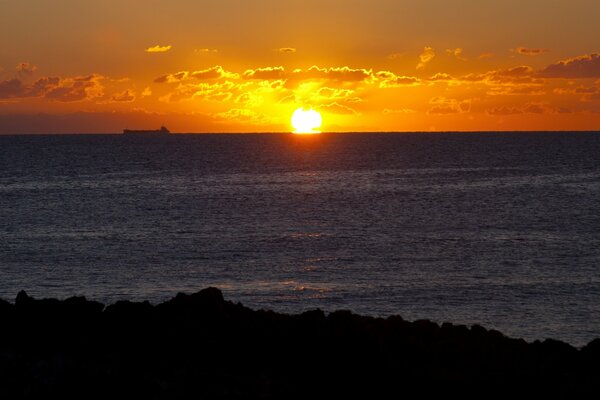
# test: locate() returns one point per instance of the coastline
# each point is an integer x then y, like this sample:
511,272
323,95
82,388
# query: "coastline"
204,345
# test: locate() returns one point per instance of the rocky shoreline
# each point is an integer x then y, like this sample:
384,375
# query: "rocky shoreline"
202,346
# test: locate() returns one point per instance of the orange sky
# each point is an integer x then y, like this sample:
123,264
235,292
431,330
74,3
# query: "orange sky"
245,66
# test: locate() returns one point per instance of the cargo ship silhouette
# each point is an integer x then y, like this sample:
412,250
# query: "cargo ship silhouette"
156,132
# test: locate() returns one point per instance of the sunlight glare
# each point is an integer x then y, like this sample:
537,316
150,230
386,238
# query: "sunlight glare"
306,121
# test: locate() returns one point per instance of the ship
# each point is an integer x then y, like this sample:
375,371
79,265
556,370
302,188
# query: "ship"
157,132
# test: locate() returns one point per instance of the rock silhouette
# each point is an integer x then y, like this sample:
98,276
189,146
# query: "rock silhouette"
202,346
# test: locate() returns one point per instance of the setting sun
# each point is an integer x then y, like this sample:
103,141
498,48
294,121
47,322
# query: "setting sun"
306,121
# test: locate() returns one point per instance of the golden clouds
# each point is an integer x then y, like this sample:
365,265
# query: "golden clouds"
125,96
519,90
25,69
267,73
54,88
585,93
286,50
329,94
158,49
527,51
535,108
243,115
237,97
337,108
213,92
212,73
206,51
443,106
457,53
257,95
522,74
249,99
586,66
216,72
313,73
342,74
77,89
172,78
388,79
398,111
426,56
442,77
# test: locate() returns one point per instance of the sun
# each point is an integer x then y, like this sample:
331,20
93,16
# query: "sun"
306,121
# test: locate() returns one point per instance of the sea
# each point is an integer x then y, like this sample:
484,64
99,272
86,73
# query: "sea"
500,229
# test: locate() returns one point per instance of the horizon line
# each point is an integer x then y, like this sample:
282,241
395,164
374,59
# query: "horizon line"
292,133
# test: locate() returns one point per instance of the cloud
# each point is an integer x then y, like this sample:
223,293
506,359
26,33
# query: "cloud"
516,72
586,66
395,56
441,76
592,97
41,86
77,89
206,51
268,86
445,106
485,55
217,92
126,96
243,115
266,73
146,92
12,88
527,51
335,94
158,49
172,78
457,52
25,69
215,72
522,74
587,93
398,111
538,108
285,50
426,56
276,77
215,96
503,110
54,88
389,80
337,108
249,99
342,74
535,108
520,90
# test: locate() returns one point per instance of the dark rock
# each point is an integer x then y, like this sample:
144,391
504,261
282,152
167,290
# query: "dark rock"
201,345
81,306
129,309
5,307
592,347
23,299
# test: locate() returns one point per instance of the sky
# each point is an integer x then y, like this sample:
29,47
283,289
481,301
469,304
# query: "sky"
99,66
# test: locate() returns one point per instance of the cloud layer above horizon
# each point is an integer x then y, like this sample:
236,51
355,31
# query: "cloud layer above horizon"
366,71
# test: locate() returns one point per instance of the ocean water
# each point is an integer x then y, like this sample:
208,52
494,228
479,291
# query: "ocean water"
499,229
